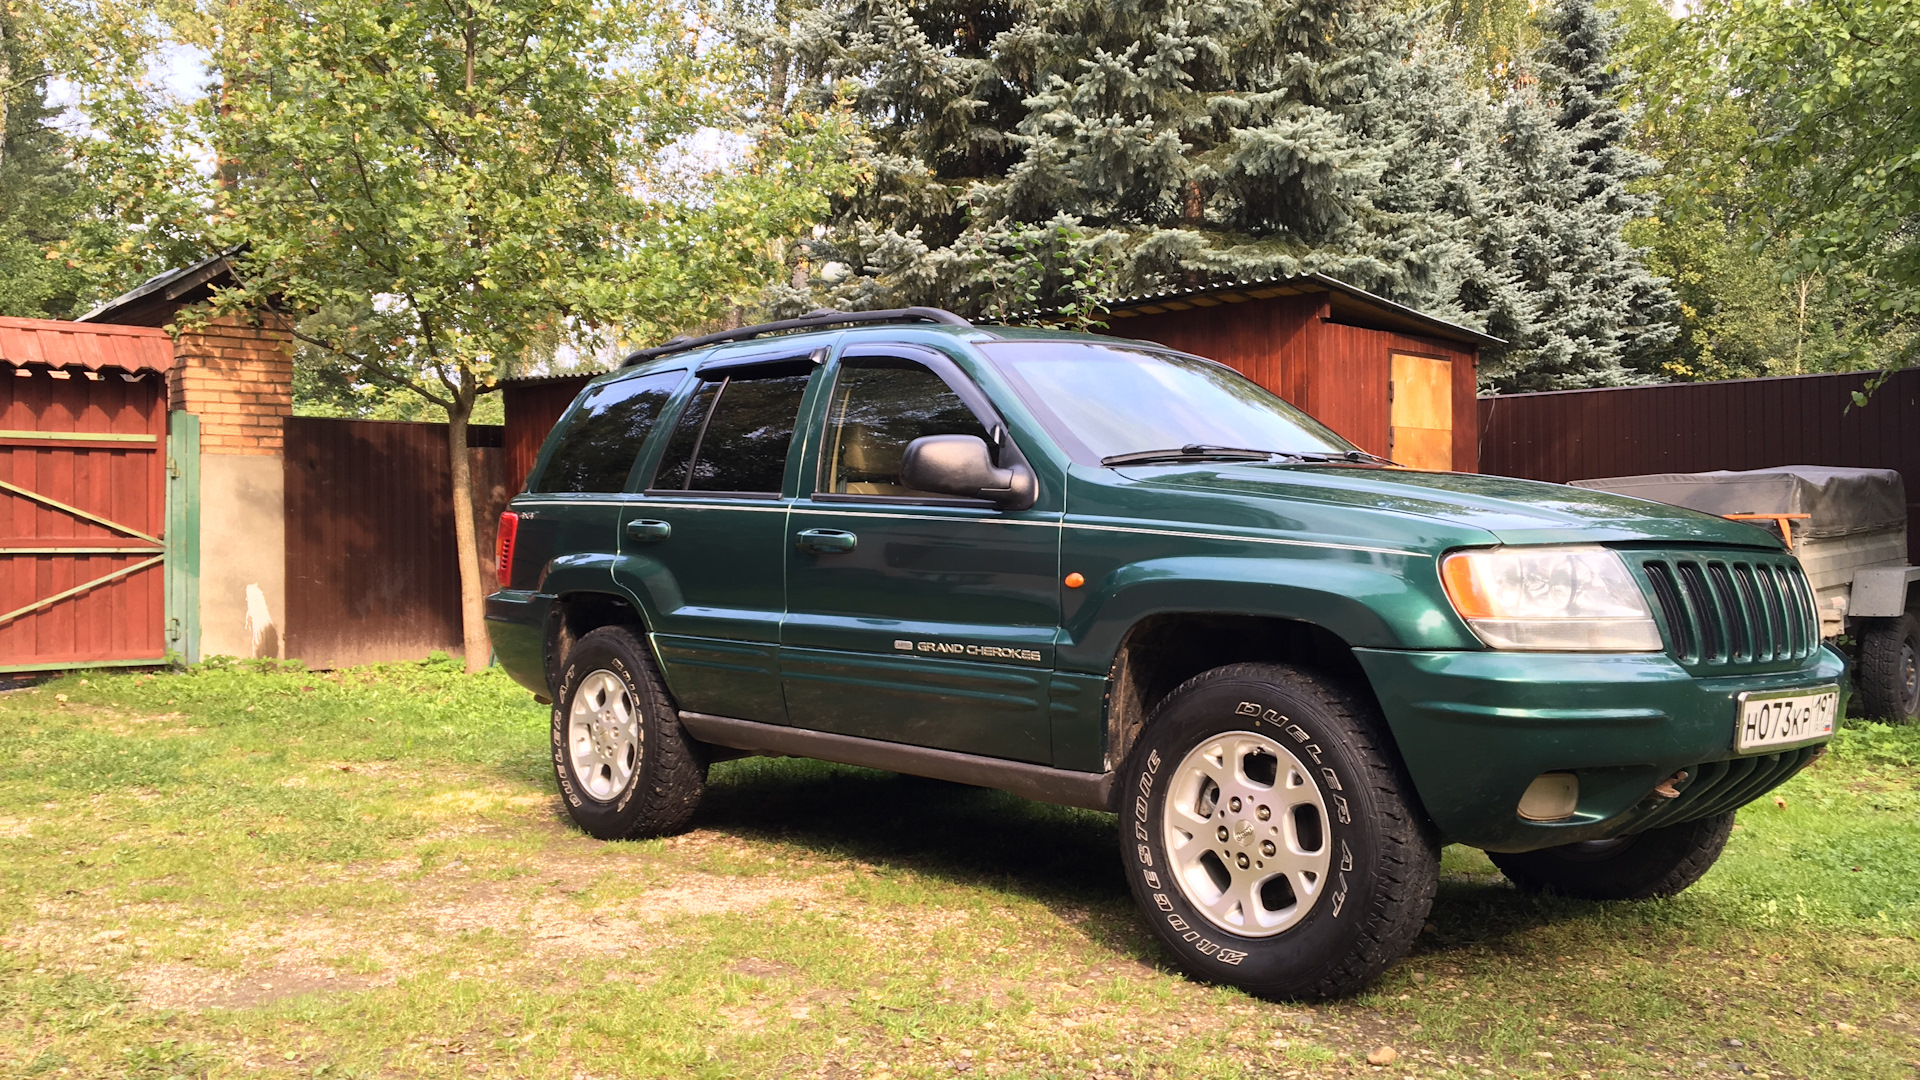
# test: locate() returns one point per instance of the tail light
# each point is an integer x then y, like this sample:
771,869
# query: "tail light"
503,549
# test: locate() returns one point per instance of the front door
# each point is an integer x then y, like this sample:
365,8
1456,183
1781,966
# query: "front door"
703,543
912,617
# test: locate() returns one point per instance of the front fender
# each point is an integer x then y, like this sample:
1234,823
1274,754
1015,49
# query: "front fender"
1367,600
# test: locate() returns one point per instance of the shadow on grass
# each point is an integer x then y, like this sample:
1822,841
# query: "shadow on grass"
1050,854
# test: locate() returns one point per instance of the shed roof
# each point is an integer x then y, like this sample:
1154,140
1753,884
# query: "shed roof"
154,301
1351,305
68,345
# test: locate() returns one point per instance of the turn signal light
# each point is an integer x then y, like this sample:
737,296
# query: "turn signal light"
503,549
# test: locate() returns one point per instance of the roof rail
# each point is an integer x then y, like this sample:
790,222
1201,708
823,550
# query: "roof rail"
812,320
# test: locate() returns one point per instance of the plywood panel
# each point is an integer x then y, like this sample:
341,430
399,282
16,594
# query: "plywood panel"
1422,412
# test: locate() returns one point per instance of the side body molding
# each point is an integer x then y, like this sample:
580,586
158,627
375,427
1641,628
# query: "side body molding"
1093,791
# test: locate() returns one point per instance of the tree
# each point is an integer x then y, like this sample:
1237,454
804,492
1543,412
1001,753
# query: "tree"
1835,144
42,197
1570,169
430,192
1170,143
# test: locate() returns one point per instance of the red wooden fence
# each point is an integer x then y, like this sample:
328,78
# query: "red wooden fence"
83,474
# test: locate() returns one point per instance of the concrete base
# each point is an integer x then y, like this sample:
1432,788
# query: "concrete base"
243,555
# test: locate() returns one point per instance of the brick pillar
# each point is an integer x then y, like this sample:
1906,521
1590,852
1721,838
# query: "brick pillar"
238,378
236,374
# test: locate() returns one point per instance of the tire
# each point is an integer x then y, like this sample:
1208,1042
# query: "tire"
1889,674
625,766
1354,863
1658,862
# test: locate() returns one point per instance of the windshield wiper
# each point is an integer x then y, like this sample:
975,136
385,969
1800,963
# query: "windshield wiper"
1193,452
1361,457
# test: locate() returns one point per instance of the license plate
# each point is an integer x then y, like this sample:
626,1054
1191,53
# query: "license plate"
1785,717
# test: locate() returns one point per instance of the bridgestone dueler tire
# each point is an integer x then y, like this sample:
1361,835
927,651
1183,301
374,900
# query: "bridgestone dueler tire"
1384,863
1889,649
670,776
1658,862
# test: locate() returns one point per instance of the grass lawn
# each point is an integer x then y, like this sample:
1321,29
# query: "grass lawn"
244,872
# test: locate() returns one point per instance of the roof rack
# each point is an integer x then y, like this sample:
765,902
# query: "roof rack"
812,320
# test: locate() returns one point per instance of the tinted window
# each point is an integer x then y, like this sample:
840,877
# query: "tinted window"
686,435
596,451
742,444
879,406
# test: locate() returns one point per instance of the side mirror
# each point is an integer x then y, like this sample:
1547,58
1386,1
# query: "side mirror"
962,466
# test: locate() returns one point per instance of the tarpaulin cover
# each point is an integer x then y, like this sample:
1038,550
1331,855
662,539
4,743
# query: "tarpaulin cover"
1842,502
92,346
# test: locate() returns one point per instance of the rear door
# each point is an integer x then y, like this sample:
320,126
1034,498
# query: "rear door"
912,617
703,544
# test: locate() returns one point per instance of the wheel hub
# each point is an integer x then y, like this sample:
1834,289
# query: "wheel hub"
1245,829
603,735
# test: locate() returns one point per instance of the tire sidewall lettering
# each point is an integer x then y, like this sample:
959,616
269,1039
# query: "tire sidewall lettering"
563,767
1249,710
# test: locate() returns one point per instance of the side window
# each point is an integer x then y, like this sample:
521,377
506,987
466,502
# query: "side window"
881,404
734,434
596,451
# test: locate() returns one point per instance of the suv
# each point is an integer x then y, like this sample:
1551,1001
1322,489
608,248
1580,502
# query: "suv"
1107,574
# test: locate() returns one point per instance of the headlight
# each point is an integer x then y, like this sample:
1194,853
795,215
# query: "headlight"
1550,599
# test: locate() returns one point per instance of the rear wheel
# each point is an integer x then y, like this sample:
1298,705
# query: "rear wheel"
1889,674
1269,834
625,766
1658,862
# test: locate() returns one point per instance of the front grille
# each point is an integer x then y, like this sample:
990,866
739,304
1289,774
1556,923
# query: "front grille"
1716,787
1720,611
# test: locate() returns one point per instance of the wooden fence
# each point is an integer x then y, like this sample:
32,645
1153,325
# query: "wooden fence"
371,574
1697,427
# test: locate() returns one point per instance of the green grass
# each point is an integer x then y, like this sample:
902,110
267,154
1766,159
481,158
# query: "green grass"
251,871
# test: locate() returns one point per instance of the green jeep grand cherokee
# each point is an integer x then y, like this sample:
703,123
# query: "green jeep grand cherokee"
1103,573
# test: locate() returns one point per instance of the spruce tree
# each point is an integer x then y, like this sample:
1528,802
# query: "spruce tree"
42,199
1170,142
1568,171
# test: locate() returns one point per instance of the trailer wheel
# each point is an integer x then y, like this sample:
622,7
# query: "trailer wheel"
1890,670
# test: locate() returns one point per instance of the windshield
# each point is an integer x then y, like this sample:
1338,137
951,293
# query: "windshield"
1106,401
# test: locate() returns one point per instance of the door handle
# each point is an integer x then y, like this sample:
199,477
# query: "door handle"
826,541
648,531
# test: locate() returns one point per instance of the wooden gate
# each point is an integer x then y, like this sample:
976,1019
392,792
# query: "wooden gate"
83,496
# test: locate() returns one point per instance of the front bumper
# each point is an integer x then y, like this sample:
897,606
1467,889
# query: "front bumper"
1475,728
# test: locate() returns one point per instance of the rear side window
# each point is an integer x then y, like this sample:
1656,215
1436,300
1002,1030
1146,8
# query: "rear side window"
734,434
596,451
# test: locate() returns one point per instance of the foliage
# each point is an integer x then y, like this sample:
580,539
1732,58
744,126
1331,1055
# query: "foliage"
42,199
434,193
1746,307
1836,143
1172,144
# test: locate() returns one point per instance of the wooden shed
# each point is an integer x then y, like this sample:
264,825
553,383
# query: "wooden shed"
1393,380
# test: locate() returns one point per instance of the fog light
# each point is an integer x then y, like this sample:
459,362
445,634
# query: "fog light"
1551,797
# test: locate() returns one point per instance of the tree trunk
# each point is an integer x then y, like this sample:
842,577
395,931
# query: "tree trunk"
466,543
6,79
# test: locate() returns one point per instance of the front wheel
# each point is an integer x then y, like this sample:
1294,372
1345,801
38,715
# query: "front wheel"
1658,862
1270,836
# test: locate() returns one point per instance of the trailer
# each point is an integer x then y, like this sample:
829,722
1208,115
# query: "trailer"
1848,528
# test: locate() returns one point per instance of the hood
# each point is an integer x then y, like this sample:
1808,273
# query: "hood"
1512,511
